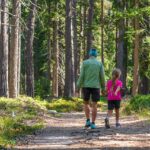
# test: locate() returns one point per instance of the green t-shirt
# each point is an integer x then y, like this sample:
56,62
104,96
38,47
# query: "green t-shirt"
91,74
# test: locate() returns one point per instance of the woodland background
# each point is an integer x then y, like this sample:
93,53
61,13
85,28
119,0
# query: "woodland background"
43,42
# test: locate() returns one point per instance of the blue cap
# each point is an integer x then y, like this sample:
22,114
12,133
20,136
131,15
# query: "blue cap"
93,52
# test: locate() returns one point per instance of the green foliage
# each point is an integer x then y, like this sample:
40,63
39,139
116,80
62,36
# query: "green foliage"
63,105
42,87
138,105
15,117
72,104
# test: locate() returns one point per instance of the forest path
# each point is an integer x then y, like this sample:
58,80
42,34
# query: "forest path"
67,133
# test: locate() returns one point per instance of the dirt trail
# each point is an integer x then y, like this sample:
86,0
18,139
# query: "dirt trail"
67,133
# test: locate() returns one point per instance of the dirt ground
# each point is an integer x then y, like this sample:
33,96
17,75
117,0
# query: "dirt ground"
67,133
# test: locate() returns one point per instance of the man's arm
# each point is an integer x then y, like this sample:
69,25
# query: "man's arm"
102,78
81,77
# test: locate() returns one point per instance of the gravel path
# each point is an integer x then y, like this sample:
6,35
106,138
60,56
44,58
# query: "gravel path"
67,133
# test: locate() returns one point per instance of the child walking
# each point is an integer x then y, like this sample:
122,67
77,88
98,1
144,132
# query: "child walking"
113,88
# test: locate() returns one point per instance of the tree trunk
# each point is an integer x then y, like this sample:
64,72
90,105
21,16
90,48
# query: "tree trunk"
56,59
13,62
84,31
19,53
49,47
75,42
29,69
136,55
102,31
4,49
61,60
121,53
68,55
144,59
90,20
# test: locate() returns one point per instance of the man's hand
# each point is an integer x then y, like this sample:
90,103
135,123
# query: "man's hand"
104,93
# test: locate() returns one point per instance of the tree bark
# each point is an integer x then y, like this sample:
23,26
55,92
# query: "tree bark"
84,31
90,21
121,51
56,59
68,55
13,62
102,31
19,53
144,61
75,42
4,49
61,59
136,55
29,64
49,47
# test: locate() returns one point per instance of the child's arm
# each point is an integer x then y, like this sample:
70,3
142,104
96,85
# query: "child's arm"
117,90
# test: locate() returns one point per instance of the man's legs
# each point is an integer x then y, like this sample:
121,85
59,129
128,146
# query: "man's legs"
87,109
94,111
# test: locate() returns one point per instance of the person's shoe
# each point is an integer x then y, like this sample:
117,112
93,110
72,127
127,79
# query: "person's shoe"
88,124
93,126
107,123
118,125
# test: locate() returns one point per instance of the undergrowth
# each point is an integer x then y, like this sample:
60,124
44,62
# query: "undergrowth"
139,105
15,118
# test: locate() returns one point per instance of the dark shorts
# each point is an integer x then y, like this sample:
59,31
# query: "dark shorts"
113,104
91,92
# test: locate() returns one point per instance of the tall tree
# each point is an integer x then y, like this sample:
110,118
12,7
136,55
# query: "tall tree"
75,42
84,29
13,59
135,85
49,45
68,53
55,57
61,58
121,54
90,21
29,69
102,31
144,53
19,53
4,49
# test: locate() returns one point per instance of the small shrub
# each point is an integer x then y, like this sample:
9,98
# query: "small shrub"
139,104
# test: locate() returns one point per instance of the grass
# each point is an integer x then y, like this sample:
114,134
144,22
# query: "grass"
63,105
16,115
139,105
68,105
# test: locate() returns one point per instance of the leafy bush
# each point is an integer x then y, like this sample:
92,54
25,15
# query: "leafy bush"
139,104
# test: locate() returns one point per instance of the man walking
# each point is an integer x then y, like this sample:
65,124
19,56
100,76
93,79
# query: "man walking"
91,79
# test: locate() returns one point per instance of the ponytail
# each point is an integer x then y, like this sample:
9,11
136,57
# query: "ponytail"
115,74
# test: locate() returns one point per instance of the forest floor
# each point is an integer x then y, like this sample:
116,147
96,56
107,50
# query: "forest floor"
66,132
